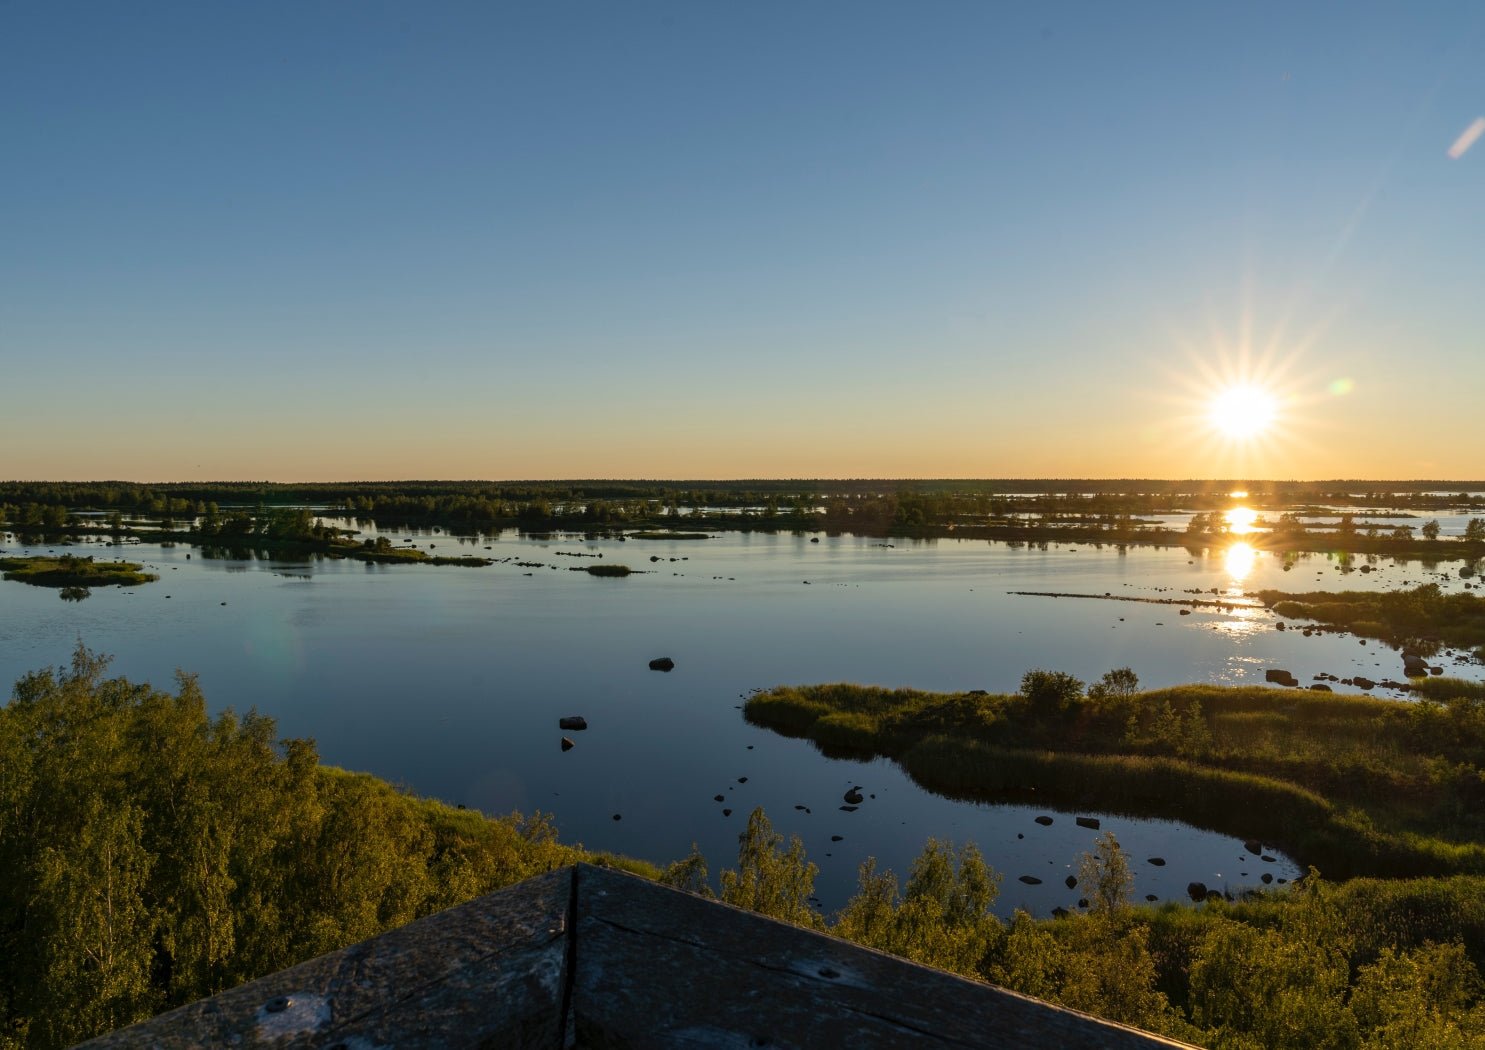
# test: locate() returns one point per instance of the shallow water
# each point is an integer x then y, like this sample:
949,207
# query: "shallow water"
451,680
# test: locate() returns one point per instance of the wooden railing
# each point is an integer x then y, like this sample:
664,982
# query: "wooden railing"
590,957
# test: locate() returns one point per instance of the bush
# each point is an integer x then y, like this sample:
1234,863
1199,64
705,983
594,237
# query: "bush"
1051,688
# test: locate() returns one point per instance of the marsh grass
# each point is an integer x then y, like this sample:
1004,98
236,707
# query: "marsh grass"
1351,784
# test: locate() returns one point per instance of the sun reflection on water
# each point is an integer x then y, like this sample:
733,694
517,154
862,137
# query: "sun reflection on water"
1240,520
1238,559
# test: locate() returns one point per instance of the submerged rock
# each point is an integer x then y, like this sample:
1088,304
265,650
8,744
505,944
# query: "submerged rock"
663,663
1087,822
572,722
1197,891
1044,820
1031,880
1071,880
567,744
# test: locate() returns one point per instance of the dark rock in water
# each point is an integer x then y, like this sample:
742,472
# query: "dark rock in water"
1185,612
1071,880
1280,677
1031,880
1158,862
567,744
1282,881
719,798
1082,902
1414,666
1266,878
1364,683
572,722
1151,898
1197,891
664,663
618,816
836,838
1281,626
1321,687
855,797
726,812
1435,670
848,809
1253,846
1087,822
1019,835
1267,858
814,539
1044,820
742,780
1060,913
804,808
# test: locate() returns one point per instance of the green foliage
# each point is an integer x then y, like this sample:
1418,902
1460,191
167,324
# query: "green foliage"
1105,878
70,571
1119,683
943,917
770,880
1051,689
1421,619
151,855
689,874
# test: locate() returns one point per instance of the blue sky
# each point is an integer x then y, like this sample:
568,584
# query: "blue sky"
706,240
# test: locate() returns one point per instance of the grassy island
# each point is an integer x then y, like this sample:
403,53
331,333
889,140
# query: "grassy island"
71,571
1353,785
1420,620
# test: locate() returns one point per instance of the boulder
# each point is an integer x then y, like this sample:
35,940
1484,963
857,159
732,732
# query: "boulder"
567,744
1158,862
1031,880
1071,880
1280,677
1414,666
572,723
1087,822
1044,820
1321,687
664,663
1253,846
854,797
1197,891
1364,683
1266,878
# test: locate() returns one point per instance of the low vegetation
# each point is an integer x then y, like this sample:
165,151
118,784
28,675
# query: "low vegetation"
151,855
1420,620
1365,965
69,571
1353,785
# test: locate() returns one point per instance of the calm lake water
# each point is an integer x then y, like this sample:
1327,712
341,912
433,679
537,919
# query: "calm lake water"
451,680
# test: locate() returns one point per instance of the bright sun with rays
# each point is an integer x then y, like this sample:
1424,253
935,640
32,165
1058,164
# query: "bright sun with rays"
1243,412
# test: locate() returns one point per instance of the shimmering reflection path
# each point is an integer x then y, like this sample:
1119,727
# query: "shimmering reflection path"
451,680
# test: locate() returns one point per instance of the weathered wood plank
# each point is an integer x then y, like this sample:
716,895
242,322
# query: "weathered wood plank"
660,968
491,972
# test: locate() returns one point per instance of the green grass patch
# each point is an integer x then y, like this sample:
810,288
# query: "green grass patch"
1424,618
609,570
71,571
1352,784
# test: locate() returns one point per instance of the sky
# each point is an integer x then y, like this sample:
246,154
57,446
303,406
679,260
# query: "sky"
333,241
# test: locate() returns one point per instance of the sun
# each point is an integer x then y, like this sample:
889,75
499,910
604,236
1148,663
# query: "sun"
1243,412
